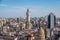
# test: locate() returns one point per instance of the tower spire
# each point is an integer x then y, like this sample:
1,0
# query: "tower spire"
28,26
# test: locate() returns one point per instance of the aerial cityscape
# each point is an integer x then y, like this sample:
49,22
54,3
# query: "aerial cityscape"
29,20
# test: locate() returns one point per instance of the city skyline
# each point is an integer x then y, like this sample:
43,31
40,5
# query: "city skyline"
38,8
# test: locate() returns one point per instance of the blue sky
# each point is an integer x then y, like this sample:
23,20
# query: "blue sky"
38,8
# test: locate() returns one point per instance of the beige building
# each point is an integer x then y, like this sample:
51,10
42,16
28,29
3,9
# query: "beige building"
28,24
5,29
41,32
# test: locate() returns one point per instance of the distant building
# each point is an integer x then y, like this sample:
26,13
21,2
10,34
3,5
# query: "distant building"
41,32
28,24
51,20
18,20
5,29
51,24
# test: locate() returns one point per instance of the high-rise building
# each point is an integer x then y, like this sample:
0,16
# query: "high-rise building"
51,20
51,24
28,24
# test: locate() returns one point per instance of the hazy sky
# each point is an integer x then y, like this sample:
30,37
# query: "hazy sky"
38,8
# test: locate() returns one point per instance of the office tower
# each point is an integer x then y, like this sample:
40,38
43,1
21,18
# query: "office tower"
51,24
51,20
41,32
28,24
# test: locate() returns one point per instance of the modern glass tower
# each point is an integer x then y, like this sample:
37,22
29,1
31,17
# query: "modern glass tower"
51,24
51,20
